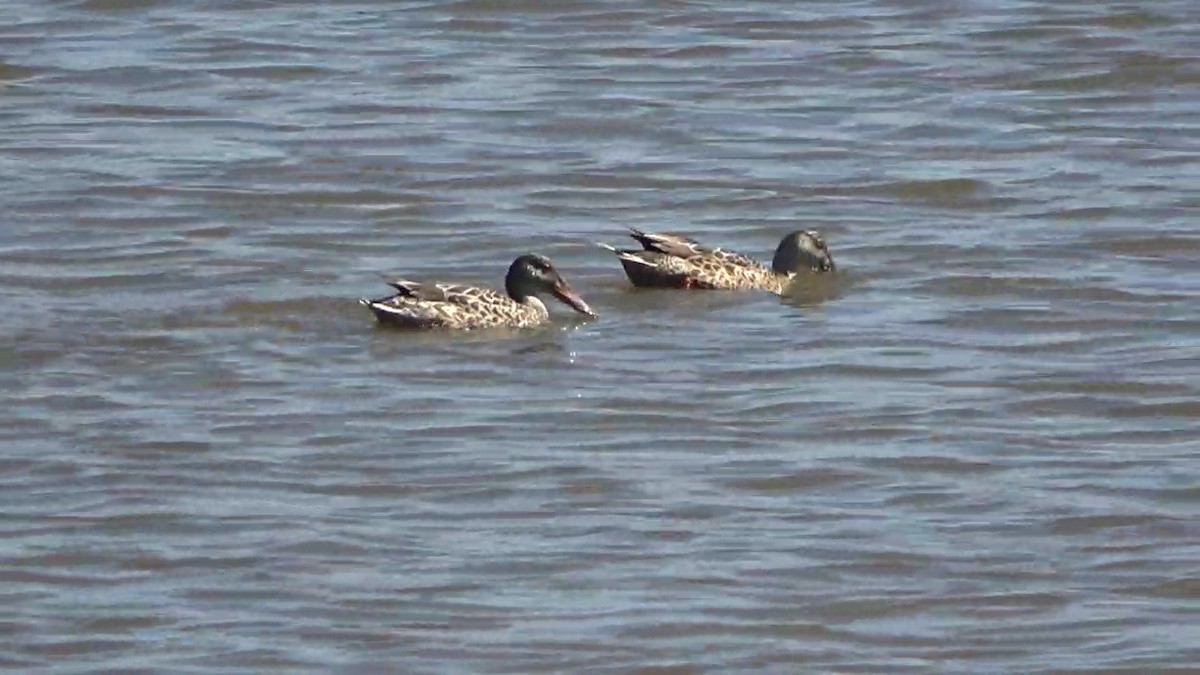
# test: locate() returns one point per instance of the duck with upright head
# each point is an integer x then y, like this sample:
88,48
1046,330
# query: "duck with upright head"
440,305
674,261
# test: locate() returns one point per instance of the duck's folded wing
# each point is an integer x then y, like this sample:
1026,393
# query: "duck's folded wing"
418,290
458,294
641,257
670,244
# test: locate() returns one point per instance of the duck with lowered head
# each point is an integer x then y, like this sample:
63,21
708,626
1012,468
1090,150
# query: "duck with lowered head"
674,261
441,305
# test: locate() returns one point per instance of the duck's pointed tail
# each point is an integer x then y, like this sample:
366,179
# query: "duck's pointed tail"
635,257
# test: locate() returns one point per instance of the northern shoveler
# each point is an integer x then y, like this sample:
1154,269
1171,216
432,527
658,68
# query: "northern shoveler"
673,261
439,305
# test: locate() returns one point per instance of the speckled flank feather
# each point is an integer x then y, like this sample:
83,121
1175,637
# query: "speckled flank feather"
677,262
417,305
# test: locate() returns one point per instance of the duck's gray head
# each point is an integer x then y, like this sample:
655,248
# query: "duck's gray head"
800,251
531,274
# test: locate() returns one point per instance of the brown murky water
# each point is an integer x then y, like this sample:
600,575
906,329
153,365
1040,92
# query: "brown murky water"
976,450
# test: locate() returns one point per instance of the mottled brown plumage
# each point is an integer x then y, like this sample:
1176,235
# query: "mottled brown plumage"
673,261
439,305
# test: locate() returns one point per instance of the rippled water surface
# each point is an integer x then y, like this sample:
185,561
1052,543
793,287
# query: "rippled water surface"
974,450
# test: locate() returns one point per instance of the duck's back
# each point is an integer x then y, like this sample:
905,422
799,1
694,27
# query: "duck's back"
455,306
